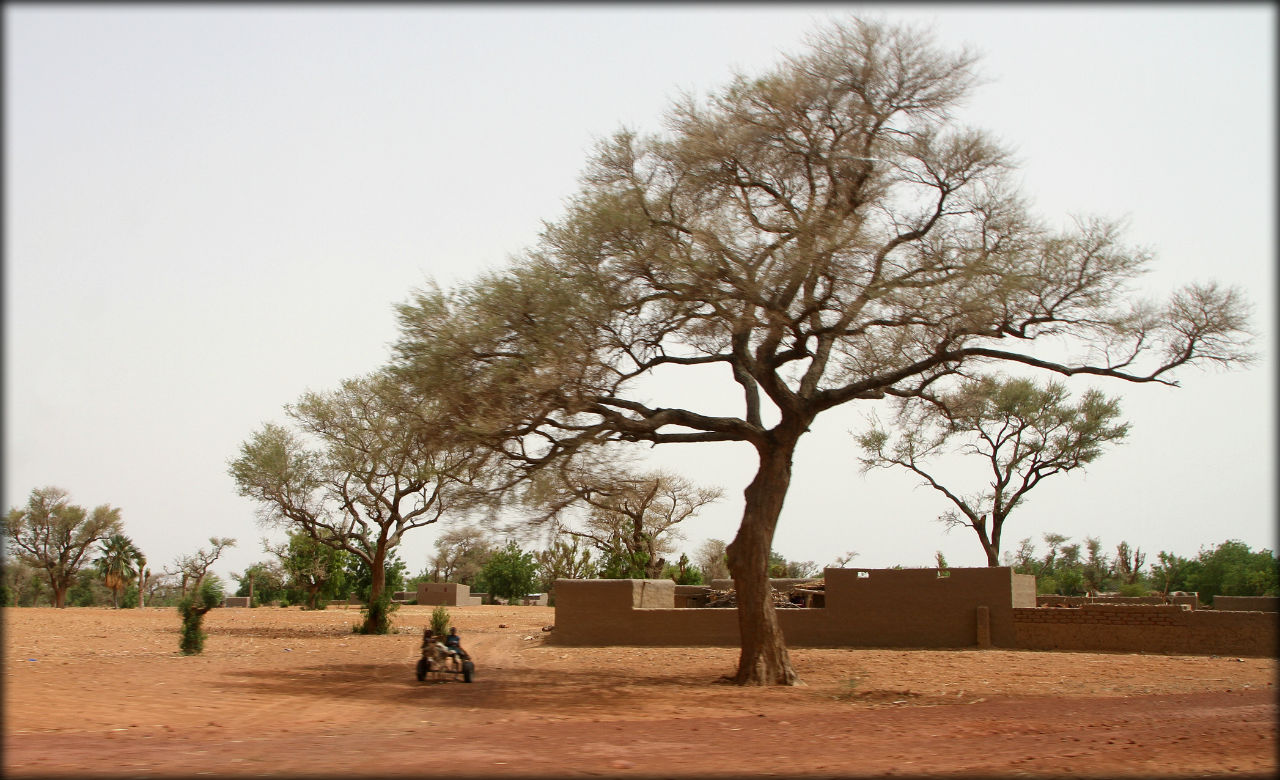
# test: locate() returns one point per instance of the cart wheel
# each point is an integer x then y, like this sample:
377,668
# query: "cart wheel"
468,670
422,669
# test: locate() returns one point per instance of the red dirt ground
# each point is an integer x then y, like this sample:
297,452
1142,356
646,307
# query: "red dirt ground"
282,692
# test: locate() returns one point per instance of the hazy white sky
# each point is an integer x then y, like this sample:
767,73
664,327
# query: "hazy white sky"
210,210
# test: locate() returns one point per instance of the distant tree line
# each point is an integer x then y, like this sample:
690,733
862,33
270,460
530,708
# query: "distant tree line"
106,568
1071,569
56,553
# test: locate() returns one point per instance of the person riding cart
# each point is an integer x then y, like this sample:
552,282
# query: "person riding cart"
453,643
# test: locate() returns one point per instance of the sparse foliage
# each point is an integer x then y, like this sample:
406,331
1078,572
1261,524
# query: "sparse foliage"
1128,563
564,561
712,560
195,567
631,519
843,561
461,552
1021,431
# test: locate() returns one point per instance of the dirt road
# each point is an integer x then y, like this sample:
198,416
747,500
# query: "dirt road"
282,692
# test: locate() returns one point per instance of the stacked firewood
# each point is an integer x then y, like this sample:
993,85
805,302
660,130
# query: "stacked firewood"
793,598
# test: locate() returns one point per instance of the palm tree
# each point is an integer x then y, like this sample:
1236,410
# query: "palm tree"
116,564
143,573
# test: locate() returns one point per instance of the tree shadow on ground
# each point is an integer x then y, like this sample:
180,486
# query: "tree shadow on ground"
498,689
259,632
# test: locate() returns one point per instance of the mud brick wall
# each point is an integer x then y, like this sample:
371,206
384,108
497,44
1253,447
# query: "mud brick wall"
921,607
1156,629
636,612
1247,603
1192,600
864,608
235,601
446,594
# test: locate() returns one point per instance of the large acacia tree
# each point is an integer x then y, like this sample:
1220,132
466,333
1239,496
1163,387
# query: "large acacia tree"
360,467
820,234
52,534
1021,431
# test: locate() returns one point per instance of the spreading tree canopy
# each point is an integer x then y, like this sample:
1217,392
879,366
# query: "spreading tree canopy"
819,234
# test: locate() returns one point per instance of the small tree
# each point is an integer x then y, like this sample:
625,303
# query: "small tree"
205,596
712,560
631,518
1170,571
195,567
461,552
682,572
782,568
52,534
440,621
564,561
510,573
1096,567
1128,563
359,468
314,569
843,561
1022,432
262,582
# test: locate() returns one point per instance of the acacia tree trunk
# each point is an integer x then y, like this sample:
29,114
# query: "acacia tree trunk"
59,592
376,617
990,547
764,659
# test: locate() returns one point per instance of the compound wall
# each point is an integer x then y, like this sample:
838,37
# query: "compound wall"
864,608
1246,603
1155,629
984,607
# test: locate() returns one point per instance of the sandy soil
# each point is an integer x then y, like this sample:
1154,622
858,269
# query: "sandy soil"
282,692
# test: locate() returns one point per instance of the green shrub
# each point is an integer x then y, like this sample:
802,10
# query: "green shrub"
129,599
440,621
1133,589
377,616
193,608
